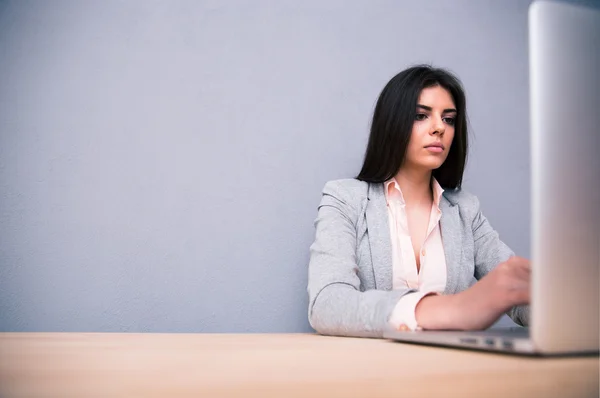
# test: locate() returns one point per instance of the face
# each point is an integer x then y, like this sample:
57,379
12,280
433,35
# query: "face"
432,131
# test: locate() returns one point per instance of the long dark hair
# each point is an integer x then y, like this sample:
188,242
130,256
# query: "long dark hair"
393,119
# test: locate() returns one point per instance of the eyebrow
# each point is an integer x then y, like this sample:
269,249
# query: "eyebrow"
428,108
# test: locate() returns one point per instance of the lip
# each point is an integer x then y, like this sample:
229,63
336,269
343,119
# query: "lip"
435,147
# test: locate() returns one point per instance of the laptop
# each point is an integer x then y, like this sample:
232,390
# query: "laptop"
564,67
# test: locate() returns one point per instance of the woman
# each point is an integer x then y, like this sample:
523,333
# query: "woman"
402,245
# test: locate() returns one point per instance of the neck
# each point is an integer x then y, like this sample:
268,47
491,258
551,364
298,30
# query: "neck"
415,186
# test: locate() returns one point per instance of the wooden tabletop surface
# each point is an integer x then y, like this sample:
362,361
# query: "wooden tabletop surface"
274,365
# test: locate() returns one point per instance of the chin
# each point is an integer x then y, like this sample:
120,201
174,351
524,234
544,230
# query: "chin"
431,165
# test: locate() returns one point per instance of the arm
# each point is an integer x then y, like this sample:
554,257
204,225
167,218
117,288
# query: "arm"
490,251
503,285
478,307
336,304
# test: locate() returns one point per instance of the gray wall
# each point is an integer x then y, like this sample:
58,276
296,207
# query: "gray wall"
161,162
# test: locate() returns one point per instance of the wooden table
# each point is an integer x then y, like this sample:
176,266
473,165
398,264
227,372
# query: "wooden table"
273,365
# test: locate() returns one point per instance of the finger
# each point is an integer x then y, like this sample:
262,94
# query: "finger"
523,273
521,263
521,294
526,264
525,297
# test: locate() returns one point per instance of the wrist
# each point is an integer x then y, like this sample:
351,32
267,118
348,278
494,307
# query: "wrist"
476,309
463,307
438,312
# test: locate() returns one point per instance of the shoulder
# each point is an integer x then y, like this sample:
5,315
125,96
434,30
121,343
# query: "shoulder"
347,186
350,190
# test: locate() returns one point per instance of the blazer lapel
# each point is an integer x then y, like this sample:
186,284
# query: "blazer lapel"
452,240
379,237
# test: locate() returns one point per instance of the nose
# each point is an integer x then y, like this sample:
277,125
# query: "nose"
438,127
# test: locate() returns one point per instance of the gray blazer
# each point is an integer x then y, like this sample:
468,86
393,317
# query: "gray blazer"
350,270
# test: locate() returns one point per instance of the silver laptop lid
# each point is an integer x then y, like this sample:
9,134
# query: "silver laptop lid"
564,43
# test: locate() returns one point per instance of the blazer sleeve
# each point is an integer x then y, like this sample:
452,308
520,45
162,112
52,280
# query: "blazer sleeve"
489,252
337,306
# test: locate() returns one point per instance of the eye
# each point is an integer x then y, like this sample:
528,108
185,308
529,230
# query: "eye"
450,120
420,116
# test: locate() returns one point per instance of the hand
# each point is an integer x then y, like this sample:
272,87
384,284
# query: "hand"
508,283
504,287
482,304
